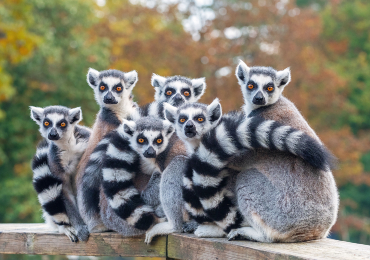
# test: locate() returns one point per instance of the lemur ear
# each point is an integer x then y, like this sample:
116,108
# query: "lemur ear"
92,77
168,128
36,114
283,77
170,112
129,127
242,72
75,115
158,81
214,111
131,79
199,86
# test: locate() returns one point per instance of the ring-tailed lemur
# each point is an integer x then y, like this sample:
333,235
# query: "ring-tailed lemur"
175,90
113,92
54,167
281,196
214,140
140,146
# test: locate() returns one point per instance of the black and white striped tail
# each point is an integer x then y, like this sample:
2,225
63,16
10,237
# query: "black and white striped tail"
120,166
48,187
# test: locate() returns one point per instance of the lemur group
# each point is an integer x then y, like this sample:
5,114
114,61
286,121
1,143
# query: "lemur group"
176,165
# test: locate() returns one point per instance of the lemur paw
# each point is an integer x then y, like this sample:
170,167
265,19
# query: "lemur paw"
163,228
70,233
242,233
83,233
209,230
233,234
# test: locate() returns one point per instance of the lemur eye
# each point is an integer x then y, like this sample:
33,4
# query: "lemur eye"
102,87
250,86
169,93
159,141
186,93
200,119
46,123
63,124
270,88
141,140
119,88
182,120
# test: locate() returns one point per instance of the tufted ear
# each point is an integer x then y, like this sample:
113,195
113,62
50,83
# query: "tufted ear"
131,79
129,127
242,72
36,114
92,77
199,86
283,78
214,111
168,128
170,112
75,115
158,81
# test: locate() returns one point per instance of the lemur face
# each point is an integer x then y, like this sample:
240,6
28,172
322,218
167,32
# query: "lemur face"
111,87
261,86
178,90
148,136
193,120
56,122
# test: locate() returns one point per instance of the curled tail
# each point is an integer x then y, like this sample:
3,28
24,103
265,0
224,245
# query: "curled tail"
120,165
48,187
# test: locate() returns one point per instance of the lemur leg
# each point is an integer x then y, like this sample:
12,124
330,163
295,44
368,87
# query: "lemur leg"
150,194
73,214
171,199
209,230
246,232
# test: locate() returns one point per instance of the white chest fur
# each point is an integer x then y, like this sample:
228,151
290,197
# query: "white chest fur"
148,166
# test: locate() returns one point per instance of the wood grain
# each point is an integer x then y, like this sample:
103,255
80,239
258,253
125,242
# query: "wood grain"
39,239
189,247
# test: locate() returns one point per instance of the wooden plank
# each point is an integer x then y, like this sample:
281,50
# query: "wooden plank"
189,247
39,239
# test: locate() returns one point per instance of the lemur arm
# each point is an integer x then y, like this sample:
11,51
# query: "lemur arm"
120,165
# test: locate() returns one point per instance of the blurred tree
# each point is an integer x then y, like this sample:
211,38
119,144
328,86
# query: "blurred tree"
52,74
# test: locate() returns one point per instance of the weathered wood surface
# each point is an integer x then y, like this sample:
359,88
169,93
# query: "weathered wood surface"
38,239
184,246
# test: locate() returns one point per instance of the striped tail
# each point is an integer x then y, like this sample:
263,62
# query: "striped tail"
120,166
48,187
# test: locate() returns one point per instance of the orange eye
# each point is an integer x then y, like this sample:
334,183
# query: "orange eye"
250,86
186,93
46,123
119,88
63,124
141,140
169,93
200,119
102,87
182,120
159,141
270,88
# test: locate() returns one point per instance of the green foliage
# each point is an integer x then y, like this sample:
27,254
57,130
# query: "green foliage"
54,74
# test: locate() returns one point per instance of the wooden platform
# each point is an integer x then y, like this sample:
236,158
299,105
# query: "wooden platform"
38,239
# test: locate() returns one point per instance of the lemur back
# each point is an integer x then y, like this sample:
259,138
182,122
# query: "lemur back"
302,201
113,92
54,166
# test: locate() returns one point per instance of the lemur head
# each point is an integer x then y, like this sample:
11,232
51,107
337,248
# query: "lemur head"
193,120
111,87
261,86
56,122
178,90
149,136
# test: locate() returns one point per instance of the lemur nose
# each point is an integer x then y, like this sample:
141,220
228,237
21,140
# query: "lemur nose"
150,152
259,99
177,97
189,125
53,135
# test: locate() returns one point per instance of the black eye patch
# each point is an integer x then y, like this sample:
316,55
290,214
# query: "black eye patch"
183,118
118,88
251,85
141,139
169,92
200,118
158,140
186,92
103,87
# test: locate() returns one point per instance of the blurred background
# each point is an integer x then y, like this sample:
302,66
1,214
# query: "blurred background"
46,48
